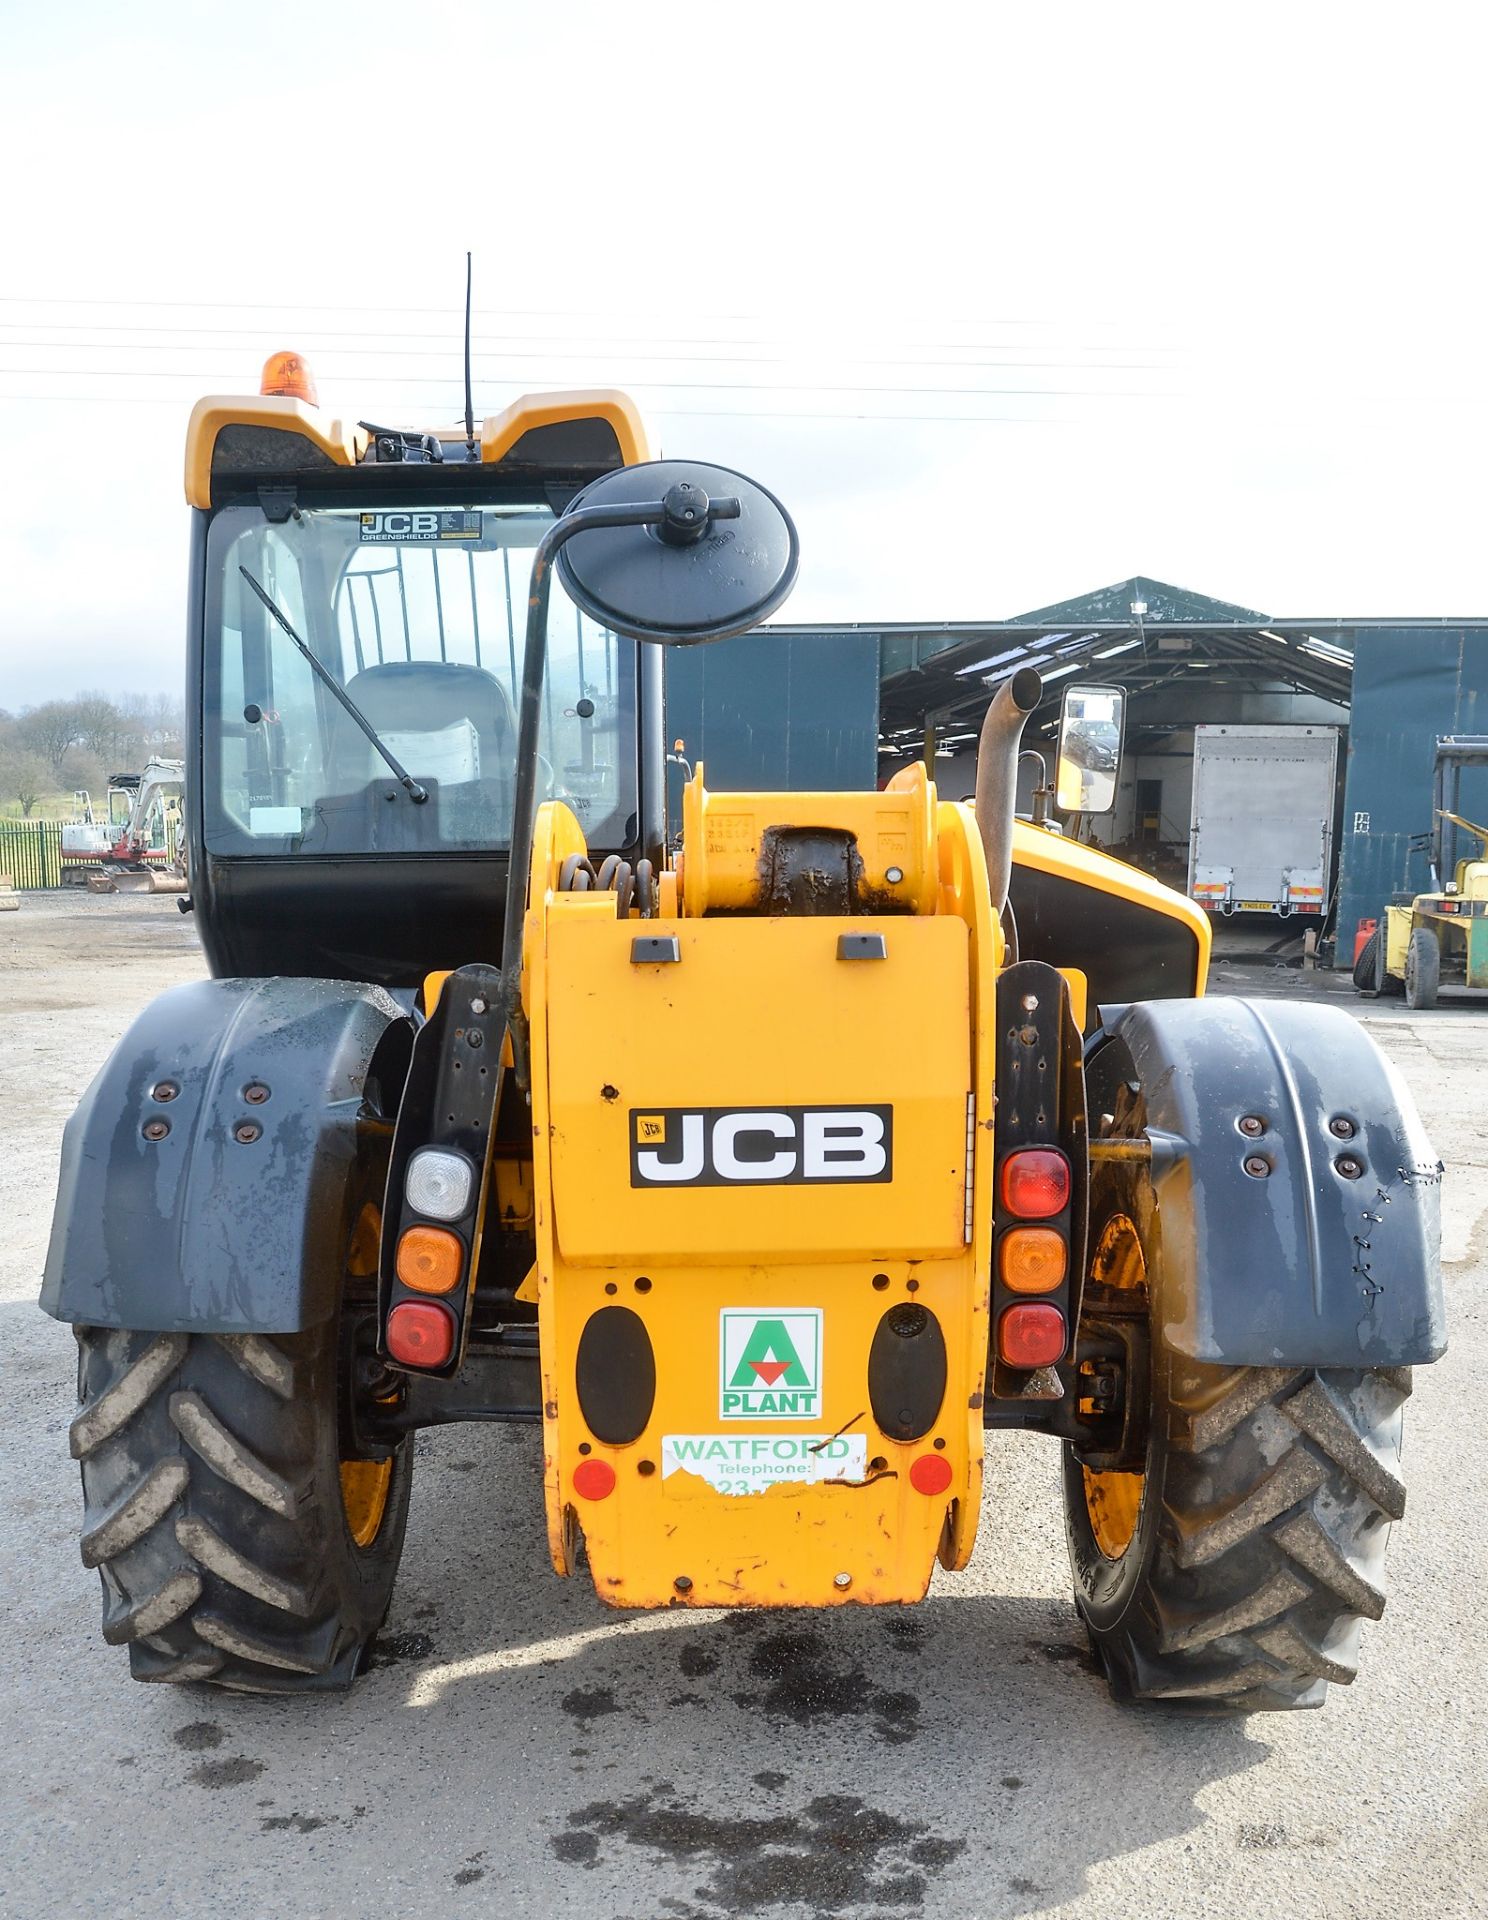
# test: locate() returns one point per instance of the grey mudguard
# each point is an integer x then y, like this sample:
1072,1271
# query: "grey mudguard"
1302,1266
199,1231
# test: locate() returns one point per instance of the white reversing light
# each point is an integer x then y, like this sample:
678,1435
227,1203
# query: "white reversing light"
438,1183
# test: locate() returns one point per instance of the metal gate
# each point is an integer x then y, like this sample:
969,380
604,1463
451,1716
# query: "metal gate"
31,853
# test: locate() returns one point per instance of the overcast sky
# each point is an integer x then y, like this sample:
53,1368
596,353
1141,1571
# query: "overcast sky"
1006,302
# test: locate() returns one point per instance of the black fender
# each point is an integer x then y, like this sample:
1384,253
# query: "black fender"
209,1227
1331,1256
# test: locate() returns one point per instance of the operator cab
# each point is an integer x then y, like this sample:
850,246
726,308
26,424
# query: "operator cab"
404,578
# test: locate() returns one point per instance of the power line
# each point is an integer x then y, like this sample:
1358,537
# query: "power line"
860,416
616,349
513,313
702,386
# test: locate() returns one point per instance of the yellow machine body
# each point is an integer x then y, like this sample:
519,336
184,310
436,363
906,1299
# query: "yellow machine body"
790,1496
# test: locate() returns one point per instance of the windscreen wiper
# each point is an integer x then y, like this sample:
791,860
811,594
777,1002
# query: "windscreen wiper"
332,685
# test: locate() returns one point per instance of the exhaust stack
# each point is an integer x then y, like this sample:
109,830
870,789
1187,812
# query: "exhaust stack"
997,775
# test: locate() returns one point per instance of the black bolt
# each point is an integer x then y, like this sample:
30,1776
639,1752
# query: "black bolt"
645,1468
475,1038
1343,1127
1257,1167
256,1093
939,1446
1350,1167
880,1281
156,1129
686,514
164,1090
1252,1126
246,1132
682,1583
584,1447
643,1285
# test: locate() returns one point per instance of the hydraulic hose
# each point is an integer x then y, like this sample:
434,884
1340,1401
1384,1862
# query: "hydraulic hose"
997,775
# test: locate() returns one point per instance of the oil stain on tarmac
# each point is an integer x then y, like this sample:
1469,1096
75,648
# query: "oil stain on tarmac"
837,1853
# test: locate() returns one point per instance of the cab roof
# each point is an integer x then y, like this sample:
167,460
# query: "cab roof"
236,442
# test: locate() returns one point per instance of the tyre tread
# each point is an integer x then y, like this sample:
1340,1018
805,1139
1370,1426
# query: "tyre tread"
219,1560
1276,1507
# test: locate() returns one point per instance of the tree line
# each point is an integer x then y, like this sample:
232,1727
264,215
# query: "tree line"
65,746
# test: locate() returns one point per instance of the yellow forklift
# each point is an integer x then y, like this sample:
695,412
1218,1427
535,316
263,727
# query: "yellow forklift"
765,1177
1440,935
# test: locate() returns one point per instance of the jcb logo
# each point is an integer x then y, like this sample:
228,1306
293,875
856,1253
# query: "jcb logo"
760,1146
422,524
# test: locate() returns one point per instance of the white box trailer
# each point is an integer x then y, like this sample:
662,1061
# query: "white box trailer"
1264,800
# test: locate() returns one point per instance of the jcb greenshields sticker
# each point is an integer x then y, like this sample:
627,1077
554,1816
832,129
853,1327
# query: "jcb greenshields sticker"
770,1363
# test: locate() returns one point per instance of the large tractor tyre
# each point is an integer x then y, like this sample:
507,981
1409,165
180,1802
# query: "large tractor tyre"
1232,1573
239,1538
1366,967
1422,969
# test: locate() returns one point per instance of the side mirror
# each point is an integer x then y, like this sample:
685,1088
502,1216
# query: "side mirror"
723,559
1090,728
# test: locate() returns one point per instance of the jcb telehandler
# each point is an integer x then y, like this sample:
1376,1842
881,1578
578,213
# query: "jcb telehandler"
767,1176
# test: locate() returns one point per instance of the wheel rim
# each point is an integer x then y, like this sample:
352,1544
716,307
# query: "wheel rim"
1113,1501
365,1484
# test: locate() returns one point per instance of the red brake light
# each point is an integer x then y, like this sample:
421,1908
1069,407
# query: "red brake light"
1031,1335
420,1334
1035,1183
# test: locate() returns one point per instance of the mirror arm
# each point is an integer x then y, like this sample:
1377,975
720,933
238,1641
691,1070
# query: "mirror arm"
1043,792
524,808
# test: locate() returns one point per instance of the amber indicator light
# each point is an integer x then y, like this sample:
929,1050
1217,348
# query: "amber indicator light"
430,1260
1032,1259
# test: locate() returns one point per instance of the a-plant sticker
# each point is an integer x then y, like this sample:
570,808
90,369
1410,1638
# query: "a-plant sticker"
770,1363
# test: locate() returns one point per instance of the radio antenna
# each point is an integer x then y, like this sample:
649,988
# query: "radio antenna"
469,401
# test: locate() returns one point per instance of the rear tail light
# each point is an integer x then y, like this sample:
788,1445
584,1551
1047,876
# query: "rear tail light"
1032,1259
1035,1183
1031,1335
420,1334
430,1260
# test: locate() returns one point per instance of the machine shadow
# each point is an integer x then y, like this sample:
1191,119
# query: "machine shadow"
959,1757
